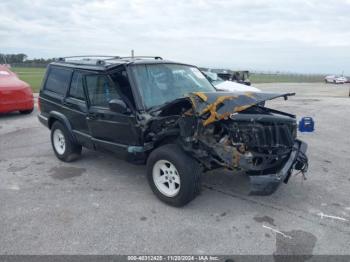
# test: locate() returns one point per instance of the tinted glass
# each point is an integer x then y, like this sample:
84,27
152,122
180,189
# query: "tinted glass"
58,80
162,83
76,87
101,90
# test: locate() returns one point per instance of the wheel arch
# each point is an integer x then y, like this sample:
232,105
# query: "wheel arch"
57,116
169,139
164,140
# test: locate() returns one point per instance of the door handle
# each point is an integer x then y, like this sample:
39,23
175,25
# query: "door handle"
92,116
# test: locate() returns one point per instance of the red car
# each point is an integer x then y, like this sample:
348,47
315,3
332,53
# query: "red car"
15,95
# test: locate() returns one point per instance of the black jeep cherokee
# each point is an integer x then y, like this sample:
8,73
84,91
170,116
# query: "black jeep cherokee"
166,114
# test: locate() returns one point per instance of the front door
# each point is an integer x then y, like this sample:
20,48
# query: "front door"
110,130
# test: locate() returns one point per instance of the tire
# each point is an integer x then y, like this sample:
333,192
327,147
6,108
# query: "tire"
63,146
183,182
26,112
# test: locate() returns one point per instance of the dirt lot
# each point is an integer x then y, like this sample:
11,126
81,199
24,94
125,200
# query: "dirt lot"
101,205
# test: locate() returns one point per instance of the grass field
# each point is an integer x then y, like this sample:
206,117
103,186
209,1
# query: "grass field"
31,75
285,78
34,76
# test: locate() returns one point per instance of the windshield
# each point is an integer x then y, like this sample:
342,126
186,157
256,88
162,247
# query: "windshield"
162,83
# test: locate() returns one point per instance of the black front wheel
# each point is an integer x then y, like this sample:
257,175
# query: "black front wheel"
174,176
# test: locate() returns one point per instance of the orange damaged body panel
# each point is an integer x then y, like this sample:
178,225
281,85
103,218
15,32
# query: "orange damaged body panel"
220,105
15,95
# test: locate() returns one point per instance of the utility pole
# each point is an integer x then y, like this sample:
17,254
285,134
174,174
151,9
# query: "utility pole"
132,53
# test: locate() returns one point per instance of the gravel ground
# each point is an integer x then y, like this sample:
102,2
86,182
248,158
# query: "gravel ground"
101,205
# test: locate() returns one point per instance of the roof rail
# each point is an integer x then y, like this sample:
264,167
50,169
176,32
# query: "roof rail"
140,57
99,59
87,57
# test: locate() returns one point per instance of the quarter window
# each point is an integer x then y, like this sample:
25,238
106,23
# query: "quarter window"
58,80
101,90
76,88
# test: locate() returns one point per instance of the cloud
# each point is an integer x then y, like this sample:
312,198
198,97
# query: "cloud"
295,35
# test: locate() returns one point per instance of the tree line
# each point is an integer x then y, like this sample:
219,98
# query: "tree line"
22,59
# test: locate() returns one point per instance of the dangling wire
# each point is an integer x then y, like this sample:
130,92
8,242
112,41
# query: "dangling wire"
302,158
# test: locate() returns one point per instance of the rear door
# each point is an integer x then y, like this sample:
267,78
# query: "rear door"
77,109
110,130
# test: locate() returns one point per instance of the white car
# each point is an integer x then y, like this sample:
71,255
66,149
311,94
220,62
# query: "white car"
224,85
335,79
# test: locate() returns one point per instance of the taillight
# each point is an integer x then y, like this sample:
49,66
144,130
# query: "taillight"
39,108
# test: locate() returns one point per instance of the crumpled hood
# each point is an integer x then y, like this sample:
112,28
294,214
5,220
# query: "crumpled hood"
220,105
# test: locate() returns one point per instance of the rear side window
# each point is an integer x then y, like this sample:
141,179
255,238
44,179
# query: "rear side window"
76,87
58,80
101,90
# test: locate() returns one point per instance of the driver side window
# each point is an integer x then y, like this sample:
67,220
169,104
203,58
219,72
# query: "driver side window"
101,90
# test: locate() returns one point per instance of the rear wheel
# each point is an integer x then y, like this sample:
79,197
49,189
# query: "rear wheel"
174,177
64,147
26,112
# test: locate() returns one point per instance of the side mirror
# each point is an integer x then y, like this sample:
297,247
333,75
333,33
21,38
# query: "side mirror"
117,105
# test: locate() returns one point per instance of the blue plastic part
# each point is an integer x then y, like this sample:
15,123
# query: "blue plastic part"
306,124
136,149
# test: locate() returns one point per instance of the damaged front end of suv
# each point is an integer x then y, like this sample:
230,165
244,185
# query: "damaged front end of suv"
235,131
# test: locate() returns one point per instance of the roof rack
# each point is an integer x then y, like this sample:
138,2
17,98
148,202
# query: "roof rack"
99,59
140,57
88,57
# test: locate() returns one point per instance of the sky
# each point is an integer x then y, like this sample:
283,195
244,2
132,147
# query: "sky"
306,36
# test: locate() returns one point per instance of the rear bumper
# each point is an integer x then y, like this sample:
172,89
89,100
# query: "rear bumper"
10,106
44,120
268,184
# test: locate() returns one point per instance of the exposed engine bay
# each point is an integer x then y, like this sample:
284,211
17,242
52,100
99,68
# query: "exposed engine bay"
235,131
